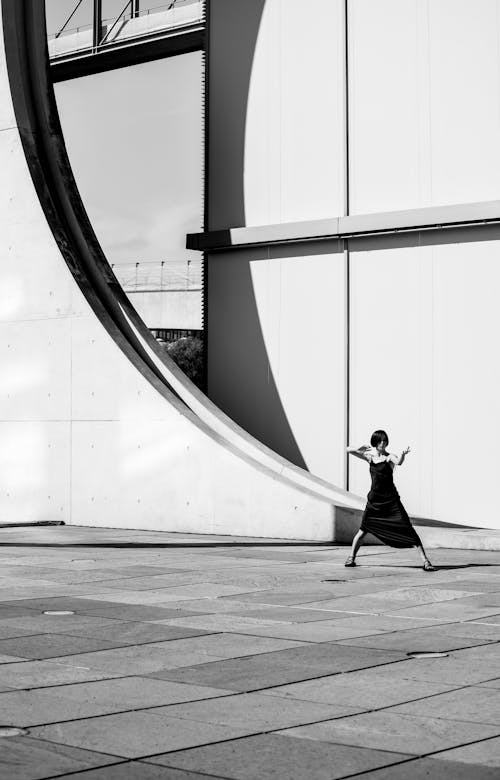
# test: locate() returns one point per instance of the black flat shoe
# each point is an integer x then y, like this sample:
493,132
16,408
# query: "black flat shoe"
350,561
428,566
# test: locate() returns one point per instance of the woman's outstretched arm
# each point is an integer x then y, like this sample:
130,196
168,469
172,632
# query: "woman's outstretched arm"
399,461
360,452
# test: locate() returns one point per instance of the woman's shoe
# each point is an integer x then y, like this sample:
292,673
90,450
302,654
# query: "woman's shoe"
428,566
350,561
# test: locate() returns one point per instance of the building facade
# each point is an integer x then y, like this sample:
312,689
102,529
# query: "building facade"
351,244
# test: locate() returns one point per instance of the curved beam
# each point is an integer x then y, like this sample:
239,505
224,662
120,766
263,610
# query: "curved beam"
44,147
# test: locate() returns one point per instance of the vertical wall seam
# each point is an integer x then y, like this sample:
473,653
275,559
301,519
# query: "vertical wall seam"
347,265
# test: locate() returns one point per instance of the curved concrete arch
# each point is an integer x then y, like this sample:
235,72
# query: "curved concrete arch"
237,482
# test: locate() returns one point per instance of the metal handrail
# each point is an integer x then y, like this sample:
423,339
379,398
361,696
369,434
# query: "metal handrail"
142,14
110,30
73,12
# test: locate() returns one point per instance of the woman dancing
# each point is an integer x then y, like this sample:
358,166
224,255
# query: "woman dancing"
385,516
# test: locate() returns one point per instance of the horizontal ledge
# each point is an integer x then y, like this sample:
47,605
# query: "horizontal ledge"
431,218
124,53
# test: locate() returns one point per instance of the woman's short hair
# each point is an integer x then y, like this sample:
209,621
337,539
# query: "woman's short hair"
378,437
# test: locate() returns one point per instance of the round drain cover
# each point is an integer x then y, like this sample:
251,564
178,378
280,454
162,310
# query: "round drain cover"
58,612
12,731
427,655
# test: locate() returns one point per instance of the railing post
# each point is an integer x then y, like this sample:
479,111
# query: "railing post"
135,9
97,23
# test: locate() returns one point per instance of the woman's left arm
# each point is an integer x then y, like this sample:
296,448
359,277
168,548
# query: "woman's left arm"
399,461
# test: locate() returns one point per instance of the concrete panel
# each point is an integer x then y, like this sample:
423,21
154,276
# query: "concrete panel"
35,383
424,103
386,140
424,366
466,378
464,99
291,116
94,396
35,463
391,364
272,119
268,322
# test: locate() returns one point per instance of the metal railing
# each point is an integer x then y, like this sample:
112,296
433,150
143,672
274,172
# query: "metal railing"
159,276
130,17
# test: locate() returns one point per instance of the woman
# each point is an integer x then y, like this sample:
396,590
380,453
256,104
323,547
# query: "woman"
385,516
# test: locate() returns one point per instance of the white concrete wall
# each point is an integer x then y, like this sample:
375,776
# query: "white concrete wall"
424,95
294,135
84,437
425,366
276,352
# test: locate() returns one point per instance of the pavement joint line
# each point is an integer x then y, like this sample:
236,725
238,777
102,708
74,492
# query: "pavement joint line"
78,772
426,755
121,759
233,694
362,747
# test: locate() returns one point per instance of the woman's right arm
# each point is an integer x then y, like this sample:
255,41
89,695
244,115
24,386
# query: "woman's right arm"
360,452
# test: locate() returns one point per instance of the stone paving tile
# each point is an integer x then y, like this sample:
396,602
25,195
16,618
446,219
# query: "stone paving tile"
284,598
386,730
321,631
256,712
164,595
76,603
473,629
12,611
491,683
280,667
211,606
435,639
485,753
135,734
121,633
418,595
237,645
156,581
85,700
131,612
483,585
42,646
185,629
429,769
486,599
458,609
135,770
286,614
54,590
23,758
10,659
490,620
220,622
382,602
468,666
476,704
270,756
364,690
139,659
35,674
55,624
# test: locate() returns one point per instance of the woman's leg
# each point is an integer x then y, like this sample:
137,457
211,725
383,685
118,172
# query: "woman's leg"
425,560
356,544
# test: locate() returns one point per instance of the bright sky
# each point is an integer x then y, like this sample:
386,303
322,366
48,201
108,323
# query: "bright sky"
134,138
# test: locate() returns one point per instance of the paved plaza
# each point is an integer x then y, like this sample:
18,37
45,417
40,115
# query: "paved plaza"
128,654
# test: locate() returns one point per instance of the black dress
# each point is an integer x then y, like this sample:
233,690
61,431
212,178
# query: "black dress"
385,516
